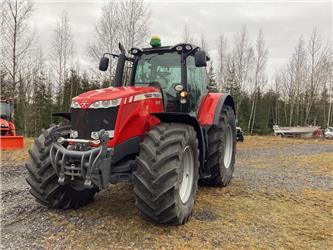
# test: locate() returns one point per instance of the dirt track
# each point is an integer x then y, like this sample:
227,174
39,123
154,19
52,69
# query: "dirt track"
281,196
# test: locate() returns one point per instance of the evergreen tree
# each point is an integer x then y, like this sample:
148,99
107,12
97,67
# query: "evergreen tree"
85,83
72,87
211,78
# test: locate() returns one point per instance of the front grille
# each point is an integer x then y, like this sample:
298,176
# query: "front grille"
86,121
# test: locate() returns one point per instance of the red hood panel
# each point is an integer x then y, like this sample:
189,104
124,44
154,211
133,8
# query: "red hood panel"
111,93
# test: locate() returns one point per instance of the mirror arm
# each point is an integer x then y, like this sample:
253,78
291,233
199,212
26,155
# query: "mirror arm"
107,54
110,54
116,56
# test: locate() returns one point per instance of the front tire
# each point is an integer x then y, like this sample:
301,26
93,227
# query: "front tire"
165,181
221,149
43,179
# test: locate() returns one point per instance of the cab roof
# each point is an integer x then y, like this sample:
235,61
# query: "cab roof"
165,48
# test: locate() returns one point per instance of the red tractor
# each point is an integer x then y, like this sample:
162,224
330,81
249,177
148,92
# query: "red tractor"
162,130
8,138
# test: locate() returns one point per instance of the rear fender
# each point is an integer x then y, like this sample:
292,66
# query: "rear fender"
211,107
190,120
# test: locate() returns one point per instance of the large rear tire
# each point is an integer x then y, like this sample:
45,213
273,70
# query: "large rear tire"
166,178
221,149
43,179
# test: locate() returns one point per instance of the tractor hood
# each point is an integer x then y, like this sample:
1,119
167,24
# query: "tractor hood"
111,93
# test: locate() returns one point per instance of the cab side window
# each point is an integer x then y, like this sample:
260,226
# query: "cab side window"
196,80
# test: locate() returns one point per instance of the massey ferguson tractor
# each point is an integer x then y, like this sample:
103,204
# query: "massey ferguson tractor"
8,138
162,130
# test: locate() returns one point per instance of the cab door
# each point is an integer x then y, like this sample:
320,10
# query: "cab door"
197,82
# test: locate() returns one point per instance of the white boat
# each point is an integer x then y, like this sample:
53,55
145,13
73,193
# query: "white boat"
295,131
328,133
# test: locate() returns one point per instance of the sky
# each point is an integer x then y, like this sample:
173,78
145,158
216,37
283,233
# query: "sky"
283,22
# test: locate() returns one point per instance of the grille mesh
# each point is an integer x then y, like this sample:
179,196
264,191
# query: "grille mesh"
86,121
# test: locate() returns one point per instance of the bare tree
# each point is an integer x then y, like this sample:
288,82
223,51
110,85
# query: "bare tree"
294,79
16,39
243,58
318,72
125,22
222,61
260,57
203,43
277,84
299,68
187,37
107,36
28,84
134,27
62,52
330,94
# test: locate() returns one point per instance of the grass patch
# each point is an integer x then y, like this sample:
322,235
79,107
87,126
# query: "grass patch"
270,141
16,157
231,217
316,164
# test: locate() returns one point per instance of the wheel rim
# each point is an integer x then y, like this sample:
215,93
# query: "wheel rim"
228,147
188,173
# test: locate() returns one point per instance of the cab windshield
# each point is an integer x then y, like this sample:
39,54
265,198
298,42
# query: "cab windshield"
163,69
5,111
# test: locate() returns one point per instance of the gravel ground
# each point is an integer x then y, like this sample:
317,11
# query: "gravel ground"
22,219
26,224
281,174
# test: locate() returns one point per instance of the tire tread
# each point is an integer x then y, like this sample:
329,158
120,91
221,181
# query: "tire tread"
42,177
155,179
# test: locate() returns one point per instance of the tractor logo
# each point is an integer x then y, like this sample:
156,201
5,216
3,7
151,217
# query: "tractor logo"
84,104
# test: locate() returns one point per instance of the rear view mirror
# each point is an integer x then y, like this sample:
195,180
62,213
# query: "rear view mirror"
104,63
200,59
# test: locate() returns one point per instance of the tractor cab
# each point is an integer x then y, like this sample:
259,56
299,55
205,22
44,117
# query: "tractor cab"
178,71
5,110
8,138
5,117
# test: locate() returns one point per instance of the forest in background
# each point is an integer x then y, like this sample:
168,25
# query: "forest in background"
41,83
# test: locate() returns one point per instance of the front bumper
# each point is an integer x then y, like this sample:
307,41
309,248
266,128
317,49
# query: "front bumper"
90,167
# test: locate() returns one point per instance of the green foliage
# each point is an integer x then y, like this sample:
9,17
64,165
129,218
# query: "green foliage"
72,88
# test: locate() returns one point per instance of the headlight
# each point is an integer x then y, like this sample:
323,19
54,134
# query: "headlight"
106,104
75,105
